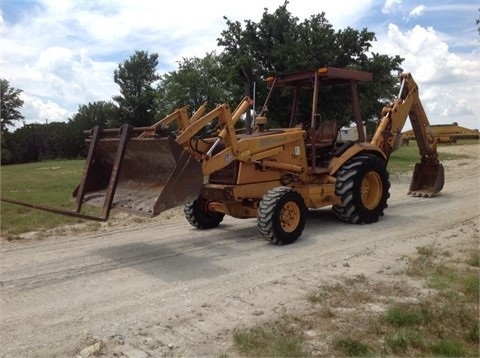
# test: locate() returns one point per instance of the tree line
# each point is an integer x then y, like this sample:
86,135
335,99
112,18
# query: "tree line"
278,43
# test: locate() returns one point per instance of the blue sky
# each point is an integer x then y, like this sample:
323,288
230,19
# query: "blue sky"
62,53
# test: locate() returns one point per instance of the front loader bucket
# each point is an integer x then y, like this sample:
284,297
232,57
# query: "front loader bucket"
145,176
427,180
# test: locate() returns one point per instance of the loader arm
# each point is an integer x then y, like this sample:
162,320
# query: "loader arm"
203,150
428,177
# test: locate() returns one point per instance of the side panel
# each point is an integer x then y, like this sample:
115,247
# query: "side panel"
261,146
262,157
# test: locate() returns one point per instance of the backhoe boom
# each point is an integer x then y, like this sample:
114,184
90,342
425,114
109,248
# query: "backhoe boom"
428,177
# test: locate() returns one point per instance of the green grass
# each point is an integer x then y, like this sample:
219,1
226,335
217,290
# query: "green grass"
404,159
48,183
350,347
450,348
400,341
405,315
270,340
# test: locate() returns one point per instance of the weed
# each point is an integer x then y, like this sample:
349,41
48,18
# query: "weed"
441,278
352,348
326,292
450,348
473,332
452,283
427,251
469,284
402,340
419,266
270,340
474,258
315,298
360,278
404,315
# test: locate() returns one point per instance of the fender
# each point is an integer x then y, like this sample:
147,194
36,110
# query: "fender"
349,150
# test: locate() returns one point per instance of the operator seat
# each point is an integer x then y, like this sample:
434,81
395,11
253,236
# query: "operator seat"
326,134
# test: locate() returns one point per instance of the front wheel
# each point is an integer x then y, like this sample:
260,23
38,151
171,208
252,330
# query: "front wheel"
281,215
197,215
362,185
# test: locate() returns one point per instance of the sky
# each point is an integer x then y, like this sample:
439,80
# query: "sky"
62,53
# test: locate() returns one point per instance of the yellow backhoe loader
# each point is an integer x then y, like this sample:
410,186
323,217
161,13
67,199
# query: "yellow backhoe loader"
274,175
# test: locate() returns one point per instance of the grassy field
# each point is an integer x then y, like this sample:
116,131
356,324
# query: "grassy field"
48,183
51,183
403,160
442,324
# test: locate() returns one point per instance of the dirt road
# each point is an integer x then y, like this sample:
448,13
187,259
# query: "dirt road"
162,288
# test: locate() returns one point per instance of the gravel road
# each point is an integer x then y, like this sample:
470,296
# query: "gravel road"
163,288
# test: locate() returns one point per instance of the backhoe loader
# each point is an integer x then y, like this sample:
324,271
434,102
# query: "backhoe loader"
272,174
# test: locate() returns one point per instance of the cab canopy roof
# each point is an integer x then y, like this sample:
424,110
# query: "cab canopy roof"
326,76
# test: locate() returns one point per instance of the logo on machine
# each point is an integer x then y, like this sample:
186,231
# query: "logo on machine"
228,158
266,142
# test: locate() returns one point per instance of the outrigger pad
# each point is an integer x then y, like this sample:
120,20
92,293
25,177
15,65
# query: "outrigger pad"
156,174
428,179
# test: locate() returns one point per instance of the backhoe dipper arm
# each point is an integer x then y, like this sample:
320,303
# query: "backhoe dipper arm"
428,175
388,134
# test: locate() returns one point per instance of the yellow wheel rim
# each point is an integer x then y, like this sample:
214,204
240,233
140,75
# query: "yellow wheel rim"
290,216
371,190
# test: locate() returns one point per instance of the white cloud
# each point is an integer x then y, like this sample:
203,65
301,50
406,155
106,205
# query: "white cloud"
69,76
390,6
448,84
426,52
416,12
38,110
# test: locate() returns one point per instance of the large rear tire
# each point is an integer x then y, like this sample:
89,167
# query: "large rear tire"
362,185
197,215
281,215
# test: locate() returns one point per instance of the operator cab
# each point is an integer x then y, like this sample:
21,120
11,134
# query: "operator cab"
310,89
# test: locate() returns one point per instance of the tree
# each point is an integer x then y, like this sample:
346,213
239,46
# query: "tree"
37,142
10,103
280,43
136,101
196,81
101,113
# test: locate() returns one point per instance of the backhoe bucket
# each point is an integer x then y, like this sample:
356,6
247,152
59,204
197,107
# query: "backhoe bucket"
427,180
145,176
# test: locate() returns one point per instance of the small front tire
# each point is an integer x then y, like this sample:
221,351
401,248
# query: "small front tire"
197,215
281,215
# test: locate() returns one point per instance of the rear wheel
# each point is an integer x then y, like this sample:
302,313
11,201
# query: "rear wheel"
281,215
362,185
198,215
